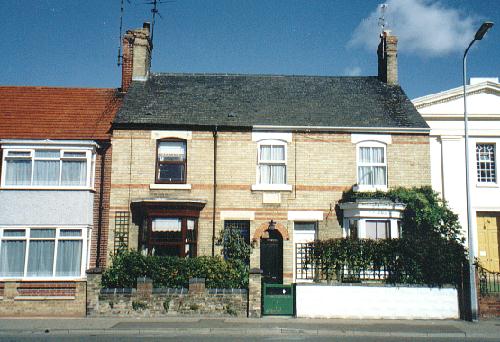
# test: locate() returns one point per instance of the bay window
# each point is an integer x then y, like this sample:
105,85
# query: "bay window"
46,168
173,236
41,252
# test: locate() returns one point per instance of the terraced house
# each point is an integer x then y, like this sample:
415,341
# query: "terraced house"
267,155
54,196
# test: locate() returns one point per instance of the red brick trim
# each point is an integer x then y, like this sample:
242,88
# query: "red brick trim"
263,228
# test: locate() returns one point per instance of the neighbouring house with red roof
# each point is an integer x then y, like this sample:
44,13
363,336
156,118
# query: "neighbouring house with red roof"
54,195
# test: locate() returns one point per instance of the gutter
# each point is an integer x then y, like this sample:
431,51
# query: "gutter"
342,129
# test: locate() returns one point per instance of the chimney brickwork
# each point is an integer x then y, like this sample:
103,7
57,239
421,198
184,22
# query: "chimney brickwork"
388,58
136,56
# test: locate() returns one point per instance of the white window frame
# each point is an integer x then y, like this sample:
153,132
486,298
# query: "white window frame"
89,158
276,187
370,187
84,261
476,161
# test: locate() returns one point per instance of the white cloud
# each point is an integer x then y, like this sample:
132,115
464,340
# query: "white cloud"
425,27
352,71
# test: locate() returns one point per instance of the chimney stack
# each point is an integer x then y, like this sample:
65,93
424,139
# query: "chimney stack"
136,55
388,58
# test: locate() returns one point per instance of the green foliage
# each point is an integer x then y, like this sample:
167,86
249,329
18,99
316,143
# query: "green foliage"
234,246
425,213
174,272
430,251
139,306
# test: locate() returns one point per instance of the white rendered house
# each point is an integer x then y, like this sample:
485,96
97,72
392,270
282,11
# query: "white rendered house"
444,113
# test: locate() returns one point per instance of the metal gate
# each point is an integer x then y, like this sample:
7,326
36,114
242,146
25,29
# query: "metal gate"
278,299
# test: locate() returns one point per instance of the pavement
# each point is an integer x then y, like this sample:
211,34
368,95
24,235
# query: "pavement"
267,326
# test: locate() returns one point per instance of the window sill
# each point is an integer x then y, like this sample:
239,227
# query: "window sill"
170,186
6,187
370,188
271,187
487,185
42,279
43,298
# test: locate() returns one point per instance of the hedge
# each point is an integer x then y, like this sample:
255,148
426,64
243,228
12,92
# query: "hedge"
174,272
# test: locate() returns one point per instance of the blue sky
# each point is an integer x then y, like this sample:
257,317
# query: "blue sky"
74,43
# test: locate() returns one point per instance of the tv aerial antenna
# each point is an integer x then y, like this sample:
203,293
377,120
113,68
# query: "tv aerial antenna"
382,22
119,60
155,11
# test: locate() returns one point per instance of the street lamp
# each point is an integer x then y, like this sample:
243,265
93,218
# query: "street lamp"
472,271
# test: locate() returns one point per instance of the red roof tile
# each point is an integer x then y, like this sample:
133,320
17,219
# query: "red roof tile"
57,113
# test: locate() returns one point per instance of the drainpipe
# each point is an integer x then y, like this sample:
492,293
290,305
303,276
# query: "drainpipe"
102,152
215,190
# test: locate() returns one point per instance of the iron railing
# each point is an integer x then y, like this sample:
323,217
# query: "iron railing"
489,282
305,268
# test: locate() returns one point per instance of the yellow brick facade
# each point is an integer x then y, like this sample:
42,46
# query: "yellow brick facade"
320,166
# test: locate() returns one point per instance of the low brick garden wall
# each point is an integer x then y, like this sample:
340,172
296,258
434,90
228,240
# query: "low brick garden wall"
42,298
489,306
146,301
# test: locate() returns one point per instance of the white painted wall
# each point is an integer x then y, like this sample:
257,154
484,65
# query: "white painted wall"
376,302
444,114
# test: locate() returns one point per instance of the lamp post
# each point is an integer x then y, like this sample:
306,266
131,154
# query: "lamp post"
472,271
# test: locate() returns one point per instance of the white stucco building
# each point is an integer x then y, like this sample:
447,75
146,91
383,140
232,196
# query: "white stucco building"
444,112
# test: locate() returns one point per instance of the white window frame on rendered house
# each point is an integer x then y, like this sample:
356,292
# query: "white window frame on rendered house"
65,153
259,185
28,238
359,164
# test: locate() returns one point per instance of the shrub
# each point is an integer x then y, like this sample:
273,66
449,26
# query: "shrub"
430,250
174,272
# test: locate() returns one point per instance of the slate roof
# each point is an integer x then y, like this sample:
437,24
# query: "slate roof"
57,113
249,100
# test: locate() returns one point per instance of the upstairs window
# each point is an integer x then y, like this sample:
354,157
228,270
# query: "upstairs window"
372,165
272,163
46,168
486,164
171,162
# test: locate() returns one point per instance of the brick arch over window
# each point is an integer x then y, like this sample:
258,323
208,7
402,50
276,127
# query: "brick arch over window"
259,232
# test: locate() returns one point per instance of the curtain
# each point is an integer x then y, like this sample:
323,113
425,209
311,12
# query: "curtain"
46,172
272,174
41,258
371,155
18,172
12,258
69,258
74,172
372,175
270,152
172,151
167,225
